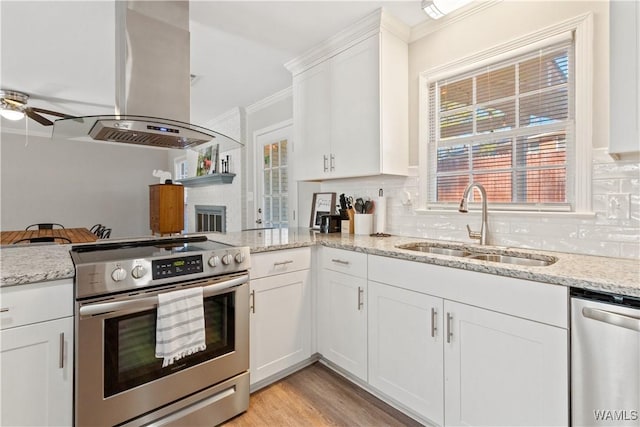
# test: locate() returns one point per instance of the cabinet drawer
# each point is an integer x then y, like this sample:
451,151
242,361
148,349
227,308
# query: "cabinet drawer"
348,262
37,302
278,262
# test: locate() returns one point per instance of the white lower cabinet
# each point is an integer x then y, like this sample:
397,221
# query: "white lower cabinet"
280,325
342,323
501,370
405,348
456,363
36,355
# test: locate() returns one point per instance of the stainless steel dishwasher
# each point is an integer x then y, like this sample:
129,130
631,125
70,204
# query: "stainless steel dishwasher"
605,359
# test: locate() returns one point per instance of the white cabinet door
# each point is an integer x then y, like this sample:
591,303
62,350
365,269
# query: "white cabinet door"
355,109
312,123
624,42
280,323
342,321
37,374
405,348
502,370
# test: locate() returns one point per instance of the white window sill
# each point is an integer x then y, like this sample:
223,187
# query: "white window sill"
510,213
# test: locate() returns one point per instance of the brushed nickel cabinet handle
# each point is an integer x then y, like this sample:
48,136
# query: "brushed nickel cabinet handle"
339,261
332,163
4,309
61,364
449,327
253,301
360,295
434,320
326,159
289,261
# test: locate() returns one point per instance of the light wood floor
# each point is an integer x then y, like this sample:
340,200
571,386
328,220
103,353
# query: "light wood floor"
316,396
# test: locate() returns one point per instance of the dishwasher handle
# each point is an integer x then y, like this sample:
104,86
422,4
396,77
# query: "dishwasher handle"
616,319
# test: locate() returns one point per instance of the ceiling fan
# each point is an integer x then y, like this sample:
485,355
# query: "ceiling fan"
13,106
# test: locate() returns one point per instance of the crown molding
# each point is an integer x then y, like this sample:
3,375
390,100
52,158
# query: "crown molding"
270,100
368,26
431,26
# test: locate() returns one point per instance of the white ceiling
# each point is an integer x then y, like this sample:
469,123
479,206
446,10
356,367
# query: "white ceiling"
63,51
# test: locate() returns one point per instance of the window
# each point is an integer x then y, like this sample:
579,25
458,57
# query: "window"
275,173
509,125
180,168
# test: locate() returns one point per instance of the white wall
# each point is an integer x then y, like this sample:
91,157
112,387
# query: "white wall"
597,234
77,184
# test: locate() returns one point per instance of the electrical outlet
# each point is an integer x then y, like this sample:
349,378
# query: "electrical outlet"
618,206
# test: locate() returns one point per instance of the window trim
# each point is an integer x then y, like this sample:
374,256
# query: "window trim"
582,28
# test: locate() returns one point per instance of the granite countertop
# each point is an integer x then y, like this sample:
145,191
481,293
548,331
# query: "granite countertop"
20,265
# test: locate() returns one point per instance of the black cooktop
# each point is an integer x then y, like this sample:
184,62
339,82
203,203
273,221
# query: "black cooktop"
143,249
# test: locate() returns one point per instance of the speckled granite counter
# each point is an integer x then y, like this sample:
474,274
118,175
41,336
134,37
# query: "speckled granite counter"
622,276
616,275
20,264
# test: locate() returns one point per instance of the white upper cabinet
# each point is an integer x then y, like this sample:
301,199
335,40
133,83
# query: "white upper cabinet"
350,102
624,24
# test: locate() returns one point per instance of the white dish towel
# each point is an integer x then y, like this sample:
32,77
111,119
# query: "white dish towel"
180,325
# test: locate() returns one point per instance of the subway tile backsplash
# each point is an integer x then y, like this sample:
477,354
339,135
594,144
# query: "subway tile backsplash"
613,230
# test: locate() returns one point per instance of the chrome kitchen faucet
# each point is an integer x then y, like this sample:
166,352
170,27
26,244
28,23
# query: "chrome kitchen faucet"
482,235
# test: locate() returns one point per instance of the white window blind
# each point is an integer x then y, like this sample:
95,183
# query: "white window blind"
507,126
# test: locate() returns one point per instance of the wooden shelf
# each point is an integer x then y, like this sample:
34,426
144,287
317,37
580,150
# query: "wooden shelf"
212,179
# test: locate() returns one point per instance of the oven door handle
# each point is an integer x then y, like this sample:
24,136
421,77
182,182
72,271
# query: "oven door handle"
151,302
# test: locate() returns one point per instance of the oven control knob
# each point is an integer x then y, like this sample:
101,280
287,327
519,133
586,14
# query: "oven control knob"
119,274
214,260
138,271
239,257
226,260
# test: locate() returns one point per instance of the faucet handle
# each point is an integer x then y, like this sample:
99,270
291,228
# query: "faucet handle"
474,234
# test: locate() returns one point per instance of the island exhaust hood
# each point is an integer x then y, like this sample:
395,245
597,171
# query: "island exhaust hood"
153,83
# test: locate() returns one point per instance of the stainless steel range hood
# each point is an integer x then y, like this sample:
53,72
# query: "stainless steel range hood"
153,83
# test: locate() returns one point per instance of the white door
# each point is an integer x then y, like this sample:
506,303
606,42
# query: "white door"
37,374
280,323
342,321
275,195
405,348
502,370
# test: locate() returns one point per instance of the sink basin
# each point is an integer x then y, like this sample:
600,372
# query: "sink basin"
432,249
506,259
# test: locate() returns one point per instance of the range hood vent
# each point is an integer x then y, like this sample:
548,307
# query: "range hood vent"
153,80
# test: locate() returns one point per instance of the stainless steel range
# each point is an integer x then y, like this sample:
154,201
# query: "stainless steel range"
118,379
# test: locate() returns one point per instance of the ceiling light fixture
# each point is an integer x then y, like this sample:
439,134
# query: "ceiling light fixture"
11,113
11,104
436,9
431,9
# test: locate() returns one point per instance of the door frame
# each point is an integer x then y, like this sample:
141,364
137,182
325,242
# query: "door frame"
285,127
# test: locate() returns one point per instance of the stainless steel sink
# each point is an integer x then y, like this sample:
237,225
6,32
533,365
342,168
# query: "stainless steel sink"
506,259
434,248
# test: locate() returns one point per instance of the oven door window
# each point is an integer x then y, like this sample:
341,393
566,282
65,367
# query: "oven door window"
130,343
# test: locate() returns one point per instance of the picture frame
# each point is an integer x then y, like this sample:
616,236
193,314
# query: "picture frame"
322,204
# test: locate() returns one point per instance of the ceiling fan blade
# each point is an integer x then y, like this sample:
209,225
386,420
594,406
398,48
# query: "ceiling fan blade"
50,113
37,117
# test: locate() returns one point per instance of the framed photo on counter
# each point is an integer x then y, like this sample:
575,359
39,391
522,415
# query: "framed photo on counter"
322,204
